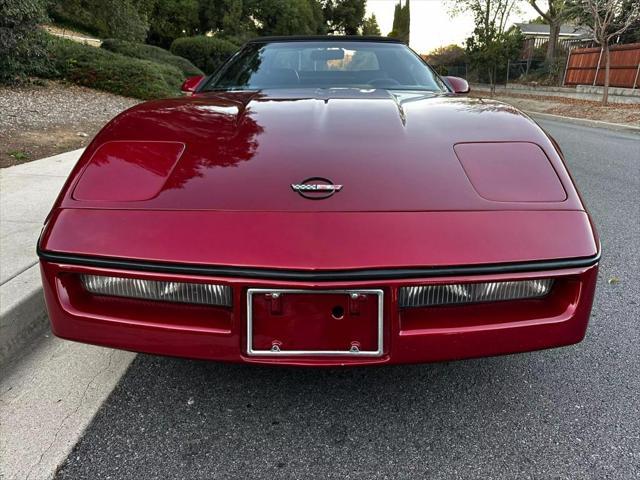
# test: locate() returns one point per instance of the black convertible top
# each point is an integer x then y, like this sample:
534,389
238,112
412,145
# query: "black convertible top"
324,38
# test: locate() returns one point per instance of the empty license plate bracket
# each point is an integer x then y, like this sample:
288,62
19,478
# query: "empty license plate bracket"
291,322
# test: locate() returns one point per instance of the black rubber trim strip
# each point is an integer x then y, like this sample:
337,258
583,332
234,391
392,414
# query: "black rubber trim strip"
325,38
319,276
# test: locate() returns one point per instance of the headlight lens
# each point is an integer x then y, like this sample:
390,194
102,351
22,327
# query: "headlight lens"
198,293
463,293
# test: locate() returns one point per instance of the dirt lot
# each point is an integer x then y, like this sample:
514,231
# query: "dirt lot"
627,114
38,121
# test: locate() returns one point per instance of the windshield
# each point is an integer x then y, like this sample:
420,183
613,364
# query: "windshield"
325,65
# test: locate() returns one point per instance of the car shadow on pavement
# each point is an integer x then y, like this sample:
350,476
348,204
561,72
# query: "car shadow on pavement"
192,418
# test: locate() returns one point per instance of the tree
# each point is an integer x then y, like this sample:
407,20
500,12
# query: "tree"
126,20
448,55
632,34
370,26
492,50
491,45
344,16
609,19
538,21
171,19
486,13
401,22
442,59
288,17
556,13
229,18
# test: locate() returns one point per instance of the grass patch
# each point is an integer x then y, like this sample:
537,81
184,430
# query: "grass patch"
20,156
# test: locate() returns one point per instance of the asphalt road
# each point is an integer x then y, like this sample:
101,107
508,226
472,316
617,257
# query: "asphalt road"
566,413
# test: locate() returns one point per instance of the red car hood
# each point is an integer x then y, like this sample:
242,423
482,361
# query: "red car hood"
243,151
408,199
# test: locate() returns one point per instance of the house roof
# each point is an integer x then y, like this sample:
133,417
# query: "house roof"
541,30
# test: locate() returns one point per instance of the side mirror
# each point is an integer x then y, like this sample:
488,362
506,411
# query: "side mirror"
190,84
458,85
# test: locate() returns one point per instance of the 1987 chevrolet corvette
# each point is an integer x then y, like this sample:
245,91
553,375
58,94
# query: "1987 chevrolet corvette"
321,201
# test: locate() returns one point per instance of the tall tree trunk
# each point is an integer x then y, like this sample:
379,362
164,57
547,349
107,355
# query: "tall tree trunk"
491,85
552,44
486,16
607,63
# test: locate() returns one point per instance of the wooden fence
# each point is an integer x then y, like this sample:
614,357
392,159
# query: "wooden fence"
586,66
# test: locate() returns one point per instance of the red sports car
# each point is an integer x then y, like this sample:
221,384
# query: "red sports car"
321,201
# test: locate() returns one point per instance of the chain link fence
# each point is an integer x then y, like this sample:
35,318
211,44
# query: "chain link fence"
530,67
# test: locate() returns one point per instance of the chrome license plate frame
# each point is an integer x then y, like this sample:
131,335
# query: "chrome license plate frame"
378,352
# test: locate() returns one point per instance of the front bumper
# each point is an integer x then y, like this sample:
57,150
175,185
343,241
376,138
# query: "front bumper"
412,335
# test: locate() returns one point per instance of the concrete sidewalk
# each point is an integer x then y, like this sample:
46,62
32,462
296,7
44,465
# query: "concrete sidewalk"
27,192
50,389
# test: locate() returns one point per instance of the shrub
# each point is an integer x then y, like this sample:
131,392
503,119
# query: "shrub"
171,75
543,73
22,47
151,53
125,19
97,68
206,53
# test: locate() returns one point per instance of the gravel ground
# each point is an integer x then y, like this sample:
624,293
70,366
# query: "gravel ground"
38,121
569,413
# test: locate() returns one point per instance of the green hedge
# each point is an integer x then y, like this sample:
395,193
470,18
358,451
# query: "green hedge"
97,68
152,53
206,53
125,19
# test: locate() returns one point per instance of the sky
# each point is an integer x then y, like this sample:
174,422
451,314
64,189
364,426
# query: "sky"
431,24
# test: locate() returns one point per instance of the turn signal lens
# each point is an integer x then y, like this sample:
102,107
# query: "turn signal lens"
463,293
199,293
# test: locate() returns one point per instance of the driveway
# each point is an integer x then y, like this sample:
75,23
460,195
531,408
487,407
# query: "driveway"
566,413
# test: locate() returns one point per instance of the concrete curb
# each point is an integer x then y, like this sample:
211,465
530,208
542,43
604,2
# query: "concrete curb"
23,317
585,122
48,398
